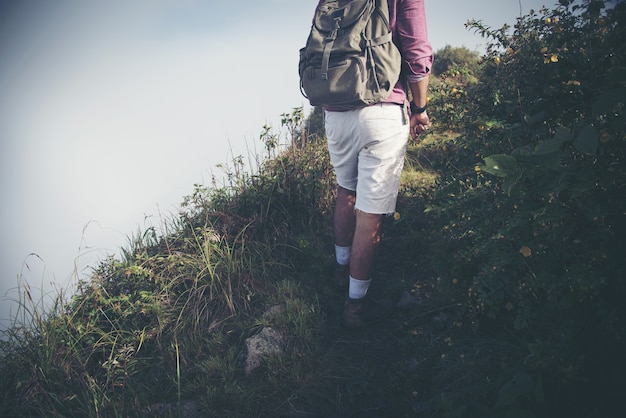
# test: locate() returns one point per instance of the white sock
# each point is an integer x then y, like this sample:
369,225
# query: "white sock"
342,255
358,288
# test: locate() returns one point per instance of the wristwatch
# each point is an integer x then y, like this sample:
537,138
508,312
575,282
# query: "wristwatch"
415,110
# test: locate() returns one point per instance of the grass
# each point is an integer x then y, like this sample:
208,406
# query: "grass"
161,331
164,325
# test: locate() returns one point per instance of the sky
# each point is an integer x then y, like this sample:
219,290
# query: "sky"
111,111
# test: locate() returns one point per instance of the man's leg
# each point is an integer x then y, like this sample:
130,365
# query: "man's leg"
359,230
344,224
365,245
344,217
360,310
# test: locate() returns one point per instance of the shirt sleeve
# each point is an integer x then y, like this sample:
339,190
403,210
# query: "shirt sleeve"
412,33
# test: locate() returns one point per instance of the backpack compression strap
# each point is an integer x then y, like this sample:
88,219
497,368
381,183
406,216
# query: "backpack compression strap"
371,43
328,46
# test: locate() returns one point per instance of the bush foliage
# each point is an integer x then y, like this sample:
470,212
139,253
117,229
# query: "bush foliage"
508,235
534,232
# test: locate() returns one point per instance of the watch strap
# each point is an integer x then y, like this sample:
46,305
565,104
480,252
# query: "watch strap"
416,110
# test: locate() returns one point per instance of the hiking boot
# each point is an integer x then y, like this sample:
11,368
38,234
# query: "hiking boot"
361,312
341,277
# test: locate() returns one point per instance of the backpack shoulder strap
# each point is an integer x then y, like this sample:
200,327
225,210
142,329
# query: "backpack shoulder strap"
328,47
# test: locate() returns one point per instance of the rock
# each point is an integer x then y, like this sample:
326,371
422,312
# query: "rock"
275,310
267,342
408,300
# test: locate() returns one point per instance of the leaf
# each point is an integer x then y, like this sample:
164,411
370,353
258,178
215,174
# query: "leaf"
516,388
519,413
538,392
608,100
550,145
524,151
617,75
500,165
564,134
510,181
532,119
552,161
587,140
619,123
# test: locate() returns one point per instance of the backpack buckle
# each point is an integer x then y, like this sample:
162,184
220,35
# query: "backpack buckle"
333,34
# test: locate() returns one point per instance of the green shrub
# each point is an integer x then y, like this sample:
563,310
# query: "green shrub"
533,227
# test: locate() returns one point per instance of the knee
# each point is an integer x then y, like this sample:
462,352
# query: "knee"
346,192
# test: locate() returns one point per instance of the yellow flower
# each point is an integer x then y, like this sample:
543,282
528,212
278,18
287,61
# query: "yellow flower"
525,251
548,58
396,216
605,137
477,169
496,60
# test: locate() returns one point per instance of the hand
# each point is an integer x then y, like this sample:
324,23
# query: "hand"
419,123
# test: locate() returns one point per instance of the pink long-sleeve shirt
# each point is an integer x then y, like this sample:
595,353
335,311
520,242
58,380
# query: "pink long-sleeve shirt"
407,19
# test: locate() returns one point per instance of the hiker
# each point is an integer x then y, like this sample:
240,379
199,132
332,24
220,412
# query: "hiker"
367,146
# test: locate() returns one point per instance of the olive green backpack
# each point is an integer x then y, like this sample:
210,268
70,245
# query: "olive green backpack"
349,60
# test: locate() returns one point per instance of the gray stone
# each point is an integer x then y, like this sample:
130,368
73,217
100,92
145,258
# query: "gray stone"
408,300
265,343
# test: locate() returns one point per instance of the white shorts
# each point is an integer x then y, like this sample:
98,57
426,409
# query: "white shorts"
367,148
